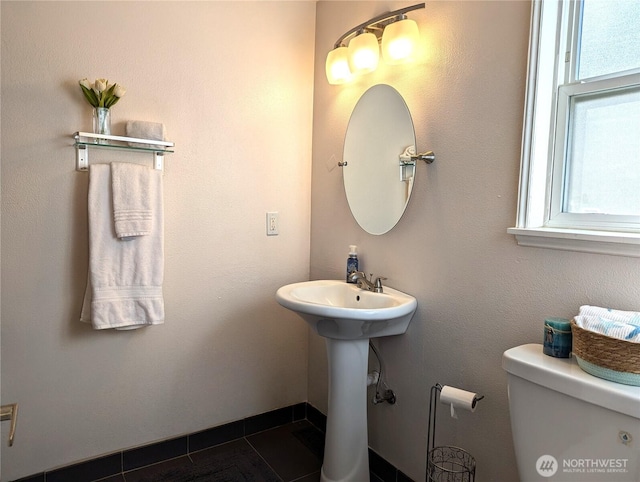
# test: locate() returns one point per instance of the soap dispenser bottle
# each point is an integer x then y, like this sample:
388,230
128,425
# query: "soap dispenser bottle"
352,262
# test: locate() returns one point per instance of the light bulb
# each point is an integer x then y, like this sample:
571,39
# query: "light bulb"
364,53
399,40
337,66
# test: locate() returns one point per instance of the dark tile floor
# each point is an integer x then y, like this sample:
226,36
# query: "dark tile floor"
282,445
291,452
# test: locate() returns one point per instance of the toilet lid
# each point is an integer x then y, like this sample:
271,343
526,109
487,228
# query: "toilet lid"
565,376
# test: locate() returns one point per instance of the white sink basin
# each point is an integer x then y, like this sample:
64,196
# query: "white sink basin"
340,310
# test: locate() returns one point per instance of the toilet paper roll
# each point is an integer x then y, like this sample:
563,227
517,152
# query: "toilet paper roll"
458,399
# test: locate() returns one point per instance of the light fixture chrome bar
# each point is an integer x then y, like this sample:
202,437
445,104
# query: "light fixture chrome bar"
373,22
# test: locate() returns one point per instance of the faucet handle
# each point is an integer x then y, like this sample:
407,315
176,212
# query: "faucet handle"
378,284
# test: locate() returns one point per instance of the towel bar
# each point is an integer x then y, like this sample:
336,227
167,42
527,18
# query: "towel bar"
85,140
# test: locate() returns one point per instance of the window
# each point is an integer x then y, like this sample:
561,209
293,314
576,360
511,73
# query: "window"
580,172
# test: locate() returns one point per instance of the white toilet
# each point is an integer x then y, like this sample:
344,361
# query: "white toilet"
568,425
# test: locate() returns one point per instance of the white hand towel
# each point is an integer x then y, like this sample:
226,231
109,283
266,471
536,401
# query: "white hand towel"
132,200
144,130
125,288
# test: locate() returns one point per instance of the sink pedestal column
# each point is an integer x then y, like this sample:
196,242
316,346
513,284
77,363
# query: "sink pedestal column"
346,452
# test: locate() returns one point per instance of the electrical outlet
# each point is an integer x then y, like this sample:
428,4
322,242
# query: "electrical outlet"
272,224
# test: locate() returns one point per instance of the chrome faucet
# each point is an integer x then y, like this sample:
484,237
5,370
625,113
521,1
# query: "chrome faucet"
363,283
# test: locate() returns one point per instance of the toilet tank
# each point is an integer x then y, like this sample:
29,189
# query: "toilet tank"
568,425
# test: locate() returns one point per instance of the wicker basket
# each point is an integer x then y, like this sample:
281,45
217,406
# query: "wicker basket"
605,357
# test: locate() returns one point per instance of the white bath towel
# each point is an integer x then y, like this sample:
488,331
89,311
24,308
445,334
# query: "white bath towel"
624,325
131,187
125,276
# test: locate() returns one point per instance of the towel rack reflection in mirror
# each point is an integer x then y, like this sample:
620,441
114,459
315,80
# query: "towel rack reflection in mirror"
85,140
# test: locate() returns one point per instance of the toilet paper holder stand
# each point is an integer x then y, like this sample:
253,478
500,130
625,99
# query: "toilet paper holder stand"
447,463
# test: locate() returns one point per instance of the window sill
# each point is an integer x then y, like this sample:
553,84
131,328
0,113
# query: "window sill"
600,242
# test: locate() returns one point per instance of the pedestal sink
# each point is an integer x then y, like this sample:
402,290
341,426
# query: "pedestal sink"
347,317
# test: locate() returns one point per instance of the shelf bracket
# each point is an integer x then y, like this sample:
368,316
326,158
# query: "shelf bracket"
158,160
82,158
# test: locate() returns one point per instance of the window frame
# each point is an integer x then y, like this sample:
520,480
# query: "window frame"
539,222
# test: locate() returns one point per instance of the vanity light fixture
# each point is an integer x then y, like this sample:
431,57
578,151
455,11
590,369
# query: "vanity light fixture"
337,66
399,41
364,53
357,51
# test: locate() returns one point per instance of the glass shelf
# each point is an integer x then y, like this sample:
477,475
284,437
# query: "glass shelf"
86,140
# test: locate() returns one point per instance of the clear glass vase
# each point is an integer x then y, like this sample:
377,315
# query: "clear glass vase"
101,123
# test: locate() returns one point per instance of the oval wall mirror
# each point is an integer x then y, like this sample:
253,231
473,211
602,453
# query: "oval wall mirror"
377,185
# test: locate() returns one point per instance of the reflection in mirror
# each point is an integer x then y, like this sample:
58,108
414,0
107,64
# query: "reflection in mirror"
377,184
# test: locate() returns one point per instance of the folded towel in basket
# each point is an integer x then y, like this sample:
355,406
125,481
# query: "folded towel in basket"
623,325
125,277
132,188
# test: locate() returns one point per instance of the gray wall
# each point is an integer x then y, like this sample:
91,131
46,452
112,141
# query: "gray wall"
478,292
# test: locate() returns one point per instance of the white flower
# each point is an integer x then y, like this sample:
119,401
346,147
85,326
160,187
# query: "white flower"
119,91
100,85
85,83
